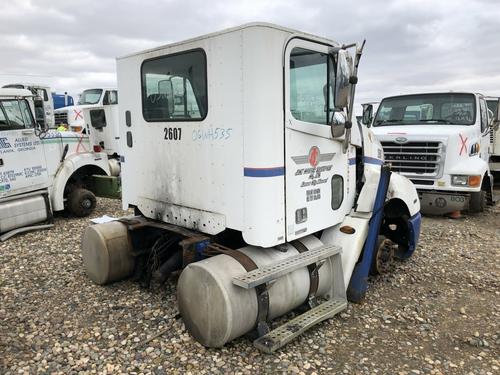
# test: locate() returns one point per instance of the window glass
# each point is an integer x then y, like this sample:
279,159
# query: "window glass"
457,109
111,97
337,191
3,119
309,87
14,114
484,115
91,96
42,93
174,87
26,112
492,105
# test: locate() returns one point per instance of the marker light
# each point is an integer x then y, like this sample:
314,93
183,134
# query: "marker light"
474,181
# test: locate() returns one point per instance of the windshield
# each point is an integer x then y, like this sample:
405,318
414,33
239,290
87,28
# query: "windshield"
91,96
456,109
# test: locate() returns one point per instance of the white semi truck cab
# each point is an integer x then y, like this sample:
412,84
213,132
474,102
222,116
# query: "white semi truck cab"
440,142
41,170
73,116
244,169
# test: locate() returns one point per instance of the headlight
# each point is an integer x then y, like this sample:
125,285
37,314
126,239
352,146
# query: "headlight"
459,180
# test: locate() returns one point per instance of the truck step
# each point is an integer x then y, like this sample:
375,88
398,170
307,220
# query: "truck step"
273,271
295,327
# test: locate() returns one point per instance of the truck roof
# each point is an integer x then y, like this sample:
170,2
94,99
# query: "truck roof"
434,93
7,92
27,84
235,29
99,88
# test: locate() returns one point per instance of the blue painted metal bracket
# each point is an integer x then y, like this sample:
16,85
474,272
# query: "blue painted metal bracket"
414,234
359,278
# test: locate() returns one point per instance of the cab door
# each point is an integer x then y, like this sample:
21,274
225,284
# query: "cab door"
316,169
22,160
111,134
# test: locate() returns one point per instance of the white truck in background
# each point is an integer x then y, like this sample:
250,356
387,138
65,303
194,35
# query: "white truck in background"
440,142
41,170
243,167
101,123
96,115
43,101
492,103
73,116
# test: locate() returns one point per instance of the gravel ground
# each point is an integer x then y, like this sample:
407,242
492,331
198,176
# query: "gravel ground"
437,313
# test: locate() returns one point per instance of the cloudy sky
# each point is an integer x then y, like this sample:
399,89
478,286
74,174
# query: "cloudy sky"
412,45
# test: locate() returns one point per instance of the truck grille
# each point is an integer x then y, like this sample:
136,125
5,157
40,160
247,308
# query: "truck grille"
414,158
61,118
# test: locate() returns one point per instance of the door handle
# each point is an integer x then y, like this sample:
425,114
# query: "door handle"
28,131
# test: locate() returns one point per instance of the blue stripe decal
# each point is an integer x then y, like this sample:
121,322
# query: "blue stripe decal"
370,160
352,161
264,172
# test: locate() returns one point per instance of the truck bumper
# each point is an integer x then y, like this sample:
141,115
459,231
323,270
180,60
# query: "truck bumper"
440,203
495,164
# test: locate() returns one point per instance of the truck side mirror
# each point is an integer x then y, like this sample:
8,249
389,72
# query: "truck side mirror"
337,124
367,114
342,79
97,118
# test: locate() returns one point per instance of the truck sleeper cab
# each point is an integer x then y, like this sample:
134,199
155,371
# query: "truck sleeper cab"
440,142
242,168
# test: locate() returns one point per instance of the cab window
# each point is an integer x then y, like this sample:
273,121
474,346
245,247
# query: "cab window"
174,87
15,114
43,94
310,90
111,97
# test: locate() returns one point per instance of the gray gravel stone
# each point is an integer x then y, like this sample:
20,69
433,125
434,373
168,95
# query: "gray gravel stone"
436,313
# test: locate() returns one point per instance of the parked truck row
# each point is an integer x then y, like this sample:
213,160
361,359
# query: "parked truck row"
247,175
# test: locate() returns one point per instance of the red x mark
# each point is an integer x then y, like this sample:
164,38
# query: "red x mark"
464,144
81,144
78,114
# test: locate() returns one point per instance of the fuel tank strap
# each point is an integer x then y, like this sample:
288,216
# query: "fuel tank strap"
312,268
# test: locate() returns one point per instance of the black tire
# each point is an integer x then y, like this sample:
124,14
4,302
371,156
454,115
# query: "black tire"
81,202
478,201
